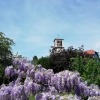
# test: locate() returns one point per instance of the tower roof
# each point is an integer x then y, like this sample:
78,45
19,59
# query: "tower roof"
57,39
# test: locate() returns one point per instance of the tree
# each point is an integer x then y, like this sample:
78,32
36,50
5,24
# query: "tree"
89,68
62,61
44,61
5,55
35,60
5,49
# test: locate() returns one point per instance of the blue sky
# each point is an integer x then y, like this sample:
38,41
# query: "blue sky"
33,24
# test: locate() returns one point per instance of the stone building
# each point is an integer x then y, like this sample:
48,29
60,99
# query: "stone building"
58,46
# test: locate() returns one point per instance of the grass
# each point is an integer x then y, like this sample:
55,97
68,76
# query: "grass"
32,97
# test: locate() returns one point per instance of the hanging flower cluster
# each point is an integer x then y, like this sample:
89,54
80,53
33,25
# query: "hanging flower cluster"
43,83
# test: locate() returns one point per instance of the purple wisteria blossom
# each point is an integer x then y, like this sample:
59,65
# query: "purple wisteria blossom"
10,71
43,83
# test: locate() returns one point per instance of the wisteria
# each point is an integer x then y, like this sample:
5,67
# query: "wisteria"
43,83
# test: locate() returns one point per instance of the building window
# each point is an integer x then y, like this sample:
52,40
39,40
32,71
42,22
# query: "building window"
59,43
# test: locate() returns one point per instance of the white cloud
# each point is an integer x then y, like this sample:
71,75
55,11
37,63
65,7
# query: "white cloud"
37,40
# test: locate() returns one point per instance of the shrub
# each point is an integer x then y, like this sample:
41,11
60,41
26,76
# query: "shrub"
89,68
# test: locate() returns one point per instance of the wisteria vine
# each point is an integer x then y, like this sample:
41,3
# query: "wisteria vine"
43,83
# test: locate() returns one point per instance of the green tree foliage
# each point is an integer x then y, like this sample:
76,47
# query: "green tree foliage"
61,61
89,68
5,55
44,61
5,49
35,60
2,68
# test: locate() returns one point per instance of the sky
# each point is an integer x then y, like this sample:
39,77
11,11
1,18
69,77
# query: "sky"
34,24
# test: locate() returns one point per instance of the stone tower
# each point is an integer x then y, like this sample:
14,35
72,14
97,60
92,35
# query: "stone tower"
58,46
